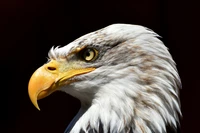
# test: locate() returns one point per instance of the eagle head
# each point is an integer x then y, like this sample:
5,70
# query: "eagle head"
123,75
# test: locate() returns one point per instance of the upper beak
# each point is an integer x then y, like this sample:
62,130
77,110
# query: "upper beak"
48,78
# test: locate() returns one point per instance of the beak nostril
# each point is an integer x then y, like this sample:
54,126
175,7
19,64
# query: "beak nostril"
51,68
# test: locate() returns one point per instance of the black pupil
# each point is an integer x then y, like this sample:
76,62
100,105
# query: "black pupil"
87,52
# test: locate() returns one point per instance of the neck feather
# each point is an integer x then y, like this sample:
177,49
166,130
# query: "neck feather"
121,110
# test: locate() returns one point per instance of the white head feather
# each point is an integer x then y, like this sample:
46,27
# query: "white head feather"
135,87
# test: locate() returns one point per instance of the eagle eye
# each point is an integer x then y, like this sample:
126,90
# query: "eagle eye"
89,54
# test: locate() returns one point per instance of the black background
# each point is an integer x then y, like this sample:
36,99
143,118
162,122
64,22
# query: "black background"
29,28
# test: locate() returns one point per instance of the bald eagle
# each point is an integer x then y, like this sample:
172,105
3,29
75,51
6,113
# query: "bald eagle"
124,77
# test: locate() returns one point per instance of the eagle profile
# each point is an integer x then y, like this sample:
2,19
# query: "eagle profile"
124,77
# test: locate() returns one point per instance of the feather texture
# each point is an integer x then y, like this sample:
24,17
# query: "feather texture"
135,87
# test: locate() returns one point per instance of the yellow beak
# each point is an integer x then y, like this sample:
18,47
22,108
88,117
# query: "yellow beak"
49,77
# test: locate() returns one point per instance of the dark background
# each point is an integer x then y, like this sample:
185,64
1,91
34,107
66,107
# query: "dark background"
29,28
